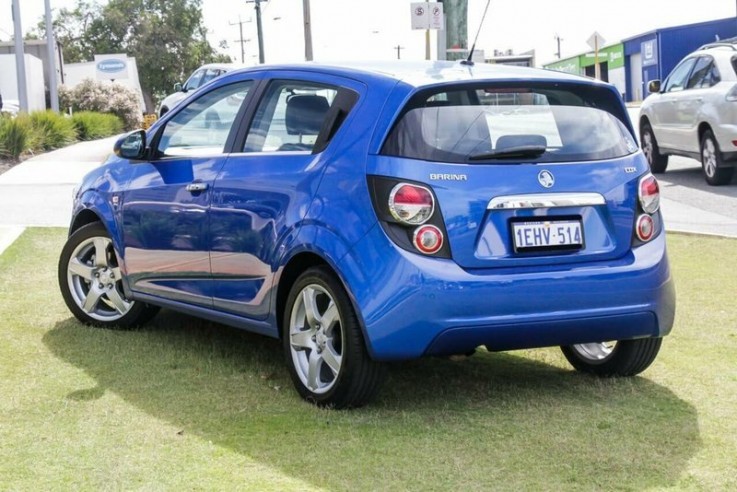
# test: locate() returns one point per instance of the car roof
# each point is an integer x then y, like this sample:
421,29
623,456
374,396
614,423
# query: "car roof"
426,73
221,66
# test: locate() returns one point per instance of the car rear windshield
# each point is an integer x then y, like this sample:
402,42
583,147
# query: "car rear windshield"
512,123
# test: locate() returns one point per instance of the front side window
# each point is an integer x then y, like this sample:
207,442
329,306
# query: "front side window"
290,117
534,124
701,76
210,74
203,126
678,77
194,80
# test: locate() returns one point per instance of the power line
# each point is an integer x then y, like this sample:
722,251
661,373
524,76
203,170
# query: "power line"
241,41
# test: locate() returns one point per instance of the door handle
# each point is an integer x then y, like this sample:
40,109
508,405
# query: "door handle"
196,187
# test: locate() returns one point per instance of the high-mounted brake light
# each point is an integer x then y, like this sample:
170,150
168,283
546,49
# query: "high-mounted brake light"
428,239
411,204
645,228
649,194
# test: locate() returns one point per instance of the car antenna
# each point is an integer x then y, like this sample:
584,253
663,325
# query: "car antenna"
468,61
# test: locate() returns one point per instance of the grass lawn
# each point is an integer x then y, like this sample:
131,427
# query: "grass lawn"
188,405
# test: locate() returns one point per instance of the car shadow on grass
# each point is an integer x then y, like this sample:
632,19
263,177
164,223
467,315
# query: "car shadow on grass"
507,420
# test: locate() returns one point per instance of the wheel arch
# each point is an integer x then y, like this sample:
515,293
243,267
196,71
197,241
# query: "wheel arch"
702,129
84,217
298,263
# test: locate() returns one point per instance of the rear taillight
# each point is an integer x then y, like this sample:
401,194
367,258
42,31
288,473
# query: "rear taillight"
645,228
428,239
648,223
410,214
649,194
411,204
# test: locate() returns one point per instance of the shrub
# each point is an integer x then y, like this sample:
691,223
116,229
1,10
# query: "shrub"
104,97
52,130
16,136
91,126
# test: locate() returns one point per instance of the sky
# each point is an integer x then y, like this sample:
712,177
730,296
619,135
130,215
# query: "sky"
370,30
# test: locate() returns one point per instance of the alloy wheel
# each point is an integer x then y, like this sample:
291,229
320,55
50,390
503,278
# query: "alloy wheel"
594,352
316,339
709,157
94,280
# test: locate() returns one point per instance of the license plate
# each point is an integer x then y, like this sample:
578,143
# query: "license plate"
549,234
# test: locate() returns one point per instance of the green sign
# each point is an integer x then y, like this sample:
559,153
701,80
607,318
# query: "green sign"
613,56
569,65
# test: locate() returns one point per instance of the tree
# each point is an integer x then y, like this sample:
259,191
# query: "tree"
167,38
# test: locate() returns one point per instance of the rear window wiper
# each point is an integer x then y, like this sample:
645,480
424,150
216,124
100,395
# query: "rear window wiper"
511,153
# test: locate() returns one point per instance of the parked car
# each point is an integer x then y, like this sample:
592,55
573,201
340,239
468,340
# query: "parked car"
199,77
694,113
383,212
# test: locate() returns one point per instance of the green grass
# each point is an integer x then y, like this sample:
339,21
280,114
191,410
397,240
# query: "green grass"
186,404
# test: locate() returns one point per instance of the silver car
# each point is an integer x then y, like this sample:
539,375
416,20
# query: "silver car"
199,77
694,113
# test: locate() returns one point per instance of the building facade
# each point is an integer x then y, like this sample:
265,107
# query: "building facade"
633,63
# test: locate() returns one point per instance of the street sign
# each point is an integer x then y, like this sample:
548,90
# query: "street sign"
427,15
596,41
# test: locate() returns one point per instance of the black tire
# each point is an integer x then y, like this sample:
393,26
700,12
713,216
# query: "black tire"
358,377
84,276
711,161
657,161
625,358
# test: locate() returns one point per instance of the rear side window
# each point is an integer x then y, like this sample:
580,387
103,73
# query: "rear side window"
296,116
534,124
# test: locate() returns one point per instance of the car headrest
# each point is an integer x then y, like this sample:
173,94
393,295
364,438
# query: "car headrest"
305,114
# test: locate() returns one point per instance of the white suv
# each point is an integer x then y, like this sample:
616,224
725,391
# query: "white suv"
694,113
200,77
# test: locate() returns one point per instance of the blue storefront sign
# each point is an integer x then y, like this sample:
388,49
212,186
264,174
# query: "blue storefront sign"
649,50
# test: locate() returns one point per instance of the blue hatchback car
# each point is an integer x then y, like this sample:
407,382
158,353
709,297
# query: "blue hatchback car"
383,212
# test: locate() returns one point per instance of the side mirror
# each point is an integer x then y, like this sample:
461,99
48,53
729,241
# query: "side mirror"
131,146
653,86
178,87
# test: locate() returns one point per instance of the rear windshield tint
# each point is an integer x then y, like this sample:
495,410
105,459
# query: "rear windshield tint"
533,124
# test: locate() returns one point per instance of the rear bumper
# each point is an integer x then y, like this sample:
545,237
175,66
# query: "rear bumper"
412,305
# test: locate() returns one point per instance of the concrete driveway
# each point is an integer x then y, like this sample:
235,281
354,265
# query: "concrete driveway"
38,192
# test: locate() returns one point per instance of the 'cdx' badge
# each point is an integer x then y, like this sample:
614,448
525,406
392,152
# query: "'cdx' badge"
546,178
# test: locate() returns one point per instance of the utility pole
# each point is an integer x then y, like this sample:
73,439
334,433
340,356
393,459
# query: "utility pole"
259,28
20,61
53,94
308,29
242,41
558,39
398,48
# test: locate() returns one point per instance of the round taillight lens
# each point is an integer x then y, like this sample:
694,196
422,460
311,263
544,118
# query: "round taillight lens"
428,239
645,228
649,194
411,204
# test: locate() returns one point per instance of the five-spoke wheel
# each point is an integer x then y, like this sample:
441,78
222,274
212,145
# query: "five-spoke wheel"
91,281
323,343
711,161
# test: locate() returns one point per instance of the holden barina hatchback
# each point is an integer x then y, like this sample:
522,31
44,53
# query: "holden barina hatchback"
368,214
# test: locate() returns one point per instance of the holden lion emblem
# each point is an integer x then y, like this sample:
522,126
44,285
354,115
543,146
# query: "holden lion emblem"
546,178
